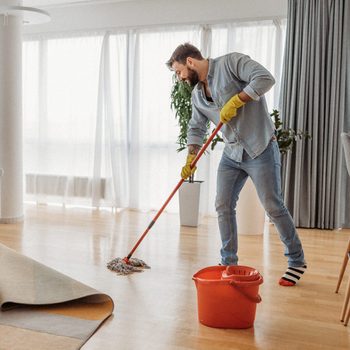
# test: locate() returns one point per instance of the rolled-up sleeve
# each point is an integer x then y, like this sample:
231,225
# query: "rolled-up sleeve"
259,80
197,127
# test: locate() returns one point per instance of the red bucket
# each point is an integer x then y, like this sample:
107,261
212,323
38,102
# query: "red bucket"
227,296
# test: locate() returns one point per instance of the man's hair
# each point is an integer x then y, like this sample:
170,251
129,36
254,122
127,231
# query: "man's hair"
182,52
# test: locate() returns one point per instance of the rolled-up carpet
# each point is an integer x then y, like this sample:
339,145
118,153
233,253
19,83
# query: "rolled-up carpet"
41,308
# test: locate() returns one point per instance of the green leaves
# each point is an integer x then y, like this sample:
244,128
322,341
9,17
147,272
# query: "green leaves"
286,138
182,105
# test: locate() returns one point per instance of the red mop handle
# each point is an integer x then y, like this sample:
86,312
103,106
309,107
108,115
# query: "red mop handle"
194,162
205,146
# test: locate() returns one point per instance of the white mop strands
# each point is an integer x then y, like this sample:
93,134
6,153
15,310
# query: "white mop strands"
121,267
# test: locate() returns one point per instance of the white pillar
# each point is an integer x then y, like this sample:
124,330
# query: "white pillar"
11,144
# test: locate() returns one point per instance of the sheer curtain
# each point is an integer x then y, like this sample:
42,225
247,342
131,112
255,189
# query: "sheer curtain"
154,163
60,86
110,180
99,130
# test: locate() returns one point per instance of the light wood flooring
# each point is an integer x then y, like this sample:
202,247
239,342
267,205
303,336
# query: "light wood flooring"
157,309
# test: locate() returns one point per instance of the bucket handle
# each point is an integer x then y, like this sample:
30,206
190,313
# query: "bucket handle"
257,299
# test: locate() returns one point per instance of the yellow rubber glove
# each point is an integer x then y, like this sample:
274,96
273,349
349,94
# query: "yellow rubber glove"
186,170
230,109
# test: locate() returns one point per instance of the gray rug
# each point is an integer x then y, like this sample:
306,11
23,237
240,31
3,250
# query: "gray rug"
43,309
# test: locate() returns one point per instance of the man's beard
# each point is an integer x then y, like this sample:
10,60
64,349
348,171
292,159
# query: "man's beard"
193,77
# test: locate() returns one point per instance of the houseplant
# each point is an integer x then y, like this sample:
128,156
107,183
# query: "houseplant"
181,104
190,191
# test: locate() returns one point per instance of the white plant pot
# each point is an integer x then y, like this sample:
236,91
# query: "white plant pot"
250,213
189,203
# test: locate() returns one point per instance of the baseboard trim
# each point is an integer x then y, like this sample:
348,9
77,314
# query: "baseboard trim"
14,220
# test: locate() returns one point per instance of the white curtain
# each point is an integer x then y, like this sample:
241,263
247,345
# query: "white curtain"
110,185
154,163
60,89
99,130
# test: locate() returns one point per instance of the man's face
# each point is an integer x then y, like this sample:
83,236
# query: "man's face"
185,73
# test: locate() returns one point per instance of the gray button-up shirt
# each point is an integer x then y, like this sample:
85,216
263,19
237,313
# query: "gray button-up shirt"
252,128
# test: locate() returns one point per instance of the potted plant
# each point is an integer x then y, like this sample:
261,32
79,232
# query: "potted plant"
190,191
182,105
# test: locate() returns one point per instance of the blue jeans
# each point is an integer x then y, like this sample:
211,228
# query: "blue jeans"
265,172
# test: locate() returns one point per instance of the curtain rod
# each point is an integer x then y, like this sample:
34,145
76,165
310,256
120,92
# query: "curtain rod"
127,29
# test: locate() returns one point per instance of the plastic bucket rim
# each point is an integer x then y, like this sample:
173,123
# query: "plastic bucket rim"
254,275
196,278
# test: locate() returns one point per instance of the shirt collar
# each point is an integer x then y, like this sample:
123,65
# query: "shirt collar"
211,68
210,73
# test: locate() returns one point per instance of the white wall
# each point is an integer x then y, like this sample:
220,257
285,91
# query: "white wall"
153,12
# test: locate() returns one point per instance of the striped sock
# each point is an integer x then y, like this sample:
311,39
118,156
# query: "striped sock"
292,276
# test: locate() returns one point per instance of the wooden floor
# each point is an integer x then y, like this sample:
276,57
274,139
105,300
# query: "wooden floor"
157,309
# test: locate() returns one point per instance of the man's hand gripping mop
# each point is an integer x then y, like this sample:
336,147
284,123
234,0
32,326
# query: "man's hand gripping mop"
129,265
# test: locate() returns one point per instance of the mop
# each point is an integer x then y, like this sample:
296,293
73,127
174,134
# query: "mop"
129,265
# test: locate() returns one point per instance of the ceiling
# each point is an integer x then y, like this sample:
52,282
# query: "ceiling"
52,3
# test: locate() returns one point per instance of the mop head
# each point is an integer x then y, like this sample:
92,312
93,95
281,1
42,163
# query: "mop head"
127,267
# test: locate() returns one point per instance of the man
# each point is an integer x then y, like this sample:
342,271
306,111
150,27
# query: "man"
230,89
